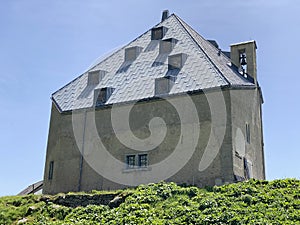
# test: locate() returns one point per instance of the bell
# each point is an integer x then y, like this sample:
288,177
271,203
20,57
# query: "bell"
243,60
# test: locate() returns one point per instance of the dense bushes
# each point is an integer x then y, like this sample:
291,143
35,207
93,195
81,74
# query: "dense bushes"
252,202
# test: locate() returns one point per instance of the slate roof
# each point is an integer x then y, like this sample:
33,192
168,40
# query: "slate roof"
205,67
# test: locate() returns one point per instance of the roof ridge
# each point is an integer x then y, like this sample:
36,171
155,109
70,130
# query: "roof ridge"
208,57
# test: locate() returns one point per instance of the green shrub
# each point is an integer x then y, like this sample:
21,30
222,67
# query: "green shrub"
250,202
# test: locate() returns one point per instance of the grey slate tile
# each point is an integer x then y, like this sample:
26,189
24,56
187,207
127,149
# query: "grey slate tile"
203,69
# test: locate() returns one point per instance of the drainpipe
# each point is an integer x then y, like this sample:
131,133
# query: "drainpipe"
82,152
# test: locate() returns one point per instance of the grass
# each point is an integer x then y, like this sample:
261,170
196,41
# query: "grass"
251,202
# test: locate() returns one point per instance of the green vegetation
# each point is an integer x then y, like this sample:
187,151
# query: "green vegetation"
251,202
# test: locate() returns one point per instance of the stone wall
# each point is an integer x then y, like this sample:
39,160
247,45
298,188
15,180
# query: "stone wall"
73,173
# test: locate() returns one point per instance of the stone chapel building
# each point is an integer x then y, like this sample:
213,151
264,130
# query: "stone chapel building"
170,105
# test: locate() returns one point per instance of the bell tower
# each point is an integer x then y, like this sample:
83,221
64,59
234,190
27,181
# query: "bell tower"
243,55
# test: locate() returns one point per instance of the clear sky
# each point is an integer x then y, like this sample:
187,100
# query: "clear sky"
46,44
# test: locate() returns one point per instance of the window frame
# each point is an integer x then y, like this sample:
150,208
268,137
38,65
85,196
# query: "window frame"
145,164
136,161
129,164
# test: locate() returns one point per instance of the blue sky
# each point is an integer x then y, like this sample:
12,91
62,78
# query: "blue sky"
46,44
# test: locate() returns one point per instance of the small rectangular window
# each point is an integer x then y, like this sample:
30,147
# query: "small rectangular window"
248,133
143,160
130,161
51,167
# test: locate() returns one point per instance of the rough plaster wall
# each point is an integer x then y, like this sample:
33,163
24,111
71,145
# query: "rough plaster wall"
62,148
246,108
63,151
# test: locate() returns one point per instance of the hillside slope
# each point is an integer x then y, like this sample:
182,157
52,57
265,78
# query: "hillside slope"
251,202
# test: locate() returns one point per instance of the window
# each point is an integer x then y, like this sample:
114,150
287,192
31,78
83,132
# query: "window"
50,174
132,53
143,160
166,46
248,133
130,161
137,161
103,95
176,61
164,85
158,33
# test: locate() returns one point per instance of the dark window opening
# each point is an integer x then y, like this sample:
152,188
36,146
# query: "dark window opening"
130,161
103,95
51,167
143,160
158,33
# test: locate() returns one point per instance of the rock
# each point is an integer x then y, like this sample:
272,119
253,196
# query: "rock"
24,220
30,210
118,200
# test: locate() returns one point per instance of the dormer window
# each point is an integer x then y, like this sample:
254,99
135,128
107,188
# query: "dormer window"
94,77
103,95
132,53
164,85
176,62
167,45
158,33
